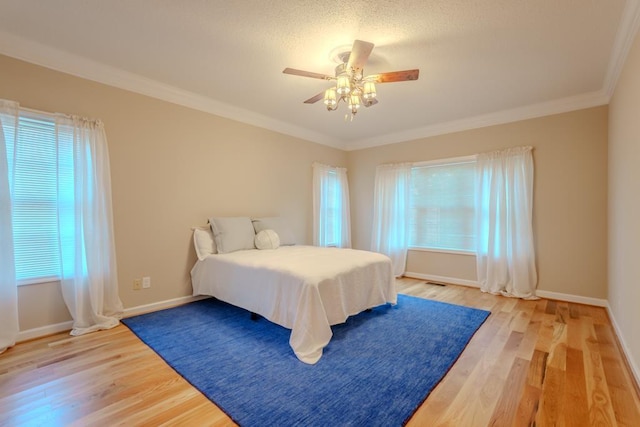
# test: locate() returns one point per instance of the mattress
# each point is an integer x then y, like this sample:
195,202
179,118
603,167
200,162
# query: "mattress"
303,288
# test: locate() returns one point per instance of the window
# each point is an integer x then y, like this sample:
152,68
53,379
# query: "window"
36,162
333,210
331,206
442,210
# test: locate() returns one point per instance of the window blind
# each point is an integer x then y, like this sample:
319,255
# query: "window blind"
442,206
333,200
33,161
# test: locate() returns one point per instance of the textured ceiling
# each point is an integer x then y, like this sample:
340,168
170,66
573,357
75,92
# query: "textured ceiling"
480,61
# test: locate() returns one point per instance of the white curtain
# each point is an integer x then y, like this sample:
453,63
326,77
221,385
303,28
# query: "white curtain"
504,210
390,234
89,272
331,216
8,290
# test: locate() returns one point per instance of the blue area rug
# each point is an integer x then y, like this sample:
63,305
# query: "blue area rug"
377,370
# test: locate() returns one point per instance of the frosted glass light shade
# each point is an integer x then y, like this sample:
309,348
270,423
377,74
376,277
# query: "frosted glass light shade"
354,101
369,90
343,86
330,98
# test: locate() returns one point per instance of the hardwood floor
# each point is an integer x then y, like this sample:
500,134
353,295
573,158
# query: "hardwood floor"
532,363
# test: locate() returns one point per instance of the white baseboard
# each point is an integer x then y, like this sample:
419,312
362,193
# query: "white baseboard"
541,293
161,305
625,348
43,331
598,302
443,279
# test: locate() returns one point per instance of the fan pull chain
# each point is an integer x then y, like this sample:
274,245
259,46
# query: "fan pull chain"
349,117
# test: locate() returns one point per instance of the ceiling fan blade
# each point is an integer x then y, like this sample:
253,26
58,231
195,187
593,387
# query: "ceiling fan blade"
359,54
394,76
315,98
303,73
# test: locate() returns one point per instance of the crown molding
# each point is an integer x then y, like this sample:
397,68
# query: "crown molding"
627,30
78,66
558,106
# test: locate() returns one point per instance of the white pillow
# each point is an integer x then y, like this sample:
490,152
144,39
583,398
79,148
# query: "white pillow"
203,242
232,233
277,224
267,239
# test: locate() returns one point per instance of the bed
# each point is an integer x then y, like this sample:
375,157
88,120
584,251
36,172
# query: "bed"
303,288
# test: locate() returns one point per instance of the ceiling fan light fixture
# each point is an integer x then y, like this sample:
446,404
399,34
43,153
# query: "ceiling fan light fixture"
354,102
330,99
343,86
369,90
352,86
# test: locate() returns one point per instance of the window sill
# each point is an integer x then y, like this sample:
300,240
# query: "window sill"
443,251
38,281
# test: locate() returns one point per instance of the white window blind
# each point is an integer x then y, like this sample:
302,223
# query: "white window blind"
36,162
442,206
331,225
333,211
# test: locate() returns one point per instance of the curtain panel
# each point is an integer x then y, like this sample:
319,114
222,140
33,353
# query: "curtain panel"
390,233
89,272
85,241
504,223
8,291
331,210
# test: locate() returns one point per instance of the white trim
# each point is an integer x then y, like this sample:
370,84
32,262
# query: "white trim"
625,348
38,281
59,60
42,331
36,53
442,279
563,105
541,293
161,305
447,161
78,66
598,302
629,23
442,251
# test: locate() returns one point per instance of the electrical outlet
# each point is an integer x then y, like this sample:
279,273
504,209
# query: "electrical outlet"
146,282
137,284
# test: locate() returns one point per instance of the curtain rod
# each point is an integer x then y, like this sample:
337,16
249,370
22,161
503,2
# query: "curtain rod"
33,110
50,114
27,109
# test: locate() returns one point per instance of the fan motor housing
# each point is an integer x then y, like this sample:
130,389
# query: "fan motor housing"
341,69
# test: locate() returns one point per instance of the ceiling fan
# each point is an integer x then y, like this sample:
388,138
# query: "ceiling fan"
352,86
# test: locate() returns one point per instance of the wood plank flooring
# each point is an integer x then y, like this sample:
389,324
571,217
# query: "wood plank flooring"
542,363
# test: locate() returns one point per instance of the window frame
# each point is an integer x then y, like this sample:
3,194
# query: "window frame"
334,213
35,115
442,162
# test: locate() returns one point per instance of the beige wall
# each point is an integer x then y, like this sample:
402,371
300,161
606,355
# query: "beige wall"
171,168
624,206
456,268
570,195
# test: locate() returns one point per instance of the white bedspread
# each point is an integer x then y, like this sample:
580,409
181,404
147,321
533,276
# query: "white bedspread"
304,288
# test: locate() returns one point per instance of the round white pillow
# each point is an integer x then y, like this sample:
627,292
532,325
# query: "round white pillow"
267,239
